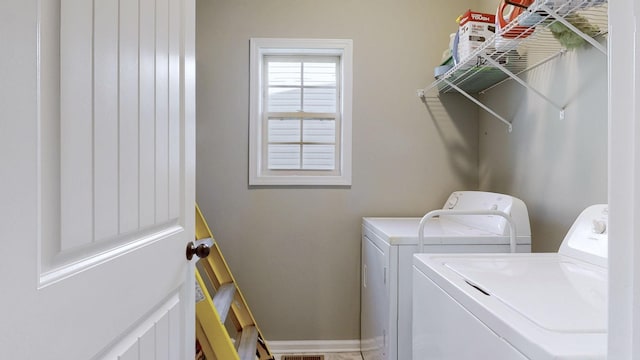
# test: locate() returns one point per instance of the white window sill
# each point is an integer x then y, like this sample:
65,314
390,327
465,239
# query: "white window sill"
301,181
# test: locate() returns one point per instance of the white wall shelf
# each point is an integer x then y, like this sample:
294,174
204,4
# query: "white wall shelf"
491,65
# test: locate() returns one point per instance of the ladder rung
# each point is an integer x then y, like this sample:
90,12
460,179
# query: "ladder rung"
248,343
223,298
214,278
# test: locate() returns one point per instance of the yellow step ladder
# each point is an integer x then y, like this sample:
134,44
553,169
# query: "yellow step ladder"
218,296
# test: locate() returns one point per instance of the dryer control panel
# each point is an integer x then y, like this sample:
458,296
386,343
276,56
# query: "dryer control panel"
588,238
482,200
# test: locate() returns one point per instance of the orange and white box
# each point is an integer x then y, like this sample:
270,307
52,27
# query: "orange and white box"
475,29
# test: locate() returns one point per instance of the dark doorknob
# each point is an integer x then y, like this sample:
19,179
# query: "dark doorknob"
200,248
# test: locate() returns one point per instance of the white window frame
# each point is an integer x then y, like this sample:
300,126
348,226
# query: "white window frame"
258,172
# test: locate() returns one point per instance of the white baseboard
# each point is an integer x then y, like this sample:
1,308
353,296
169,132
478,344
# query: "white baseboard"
313,346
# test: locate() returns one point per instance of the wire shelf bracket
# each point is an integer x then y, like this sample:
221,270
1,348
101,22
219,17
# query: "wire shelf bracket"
487,67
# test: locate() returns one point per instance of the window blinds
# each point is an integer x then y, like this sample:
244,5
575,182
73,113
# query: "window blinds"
301,112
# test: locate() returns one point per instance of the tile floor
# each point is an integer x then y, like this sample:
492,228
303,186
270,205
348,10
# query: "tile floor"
333,356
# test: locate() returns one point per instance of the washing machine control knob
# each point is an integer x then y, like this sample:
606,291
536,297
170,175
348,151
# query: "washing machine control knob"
599,226
452,202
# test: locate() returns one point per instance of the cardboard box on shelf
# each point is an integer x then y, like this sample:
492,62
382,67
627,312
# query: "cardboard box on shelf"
475,29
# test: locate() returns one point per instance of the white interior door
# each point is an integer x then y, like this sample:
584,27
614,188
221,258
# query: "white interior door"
97,179
624,180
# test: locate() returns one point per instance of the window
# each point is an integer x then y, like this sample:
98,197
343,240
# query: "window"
300,117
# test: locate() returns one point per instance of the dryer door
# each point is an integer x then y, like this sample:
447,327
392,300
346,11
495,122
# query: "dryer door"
374,300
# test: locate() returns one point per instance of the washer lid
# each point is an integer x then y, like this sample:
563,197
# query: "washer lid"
548,306
560,295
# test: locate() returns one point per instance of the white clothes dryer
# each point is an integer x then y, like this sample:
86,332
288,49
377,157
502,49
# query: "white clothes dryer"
388,245
516,306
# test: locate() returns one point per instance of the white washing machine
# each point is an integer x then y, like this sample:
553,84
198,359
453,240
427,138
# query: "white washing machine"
388,245
516,306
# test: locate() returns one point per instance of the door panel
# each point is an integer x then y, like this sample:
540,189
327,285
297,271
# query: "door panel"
147,112
103,118
153,338
116,158
129,135
97,154
75,103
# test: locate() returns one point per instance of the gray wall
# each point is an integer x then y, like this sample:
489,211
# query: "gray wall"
296,251
557,167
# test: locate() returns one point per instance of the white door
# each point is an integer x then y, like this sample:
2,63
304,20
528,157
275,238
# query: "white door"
96,179
624,176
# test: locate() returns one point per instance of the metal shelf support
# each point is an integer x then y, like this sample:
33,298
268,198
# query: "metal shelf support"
522,82
479,103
